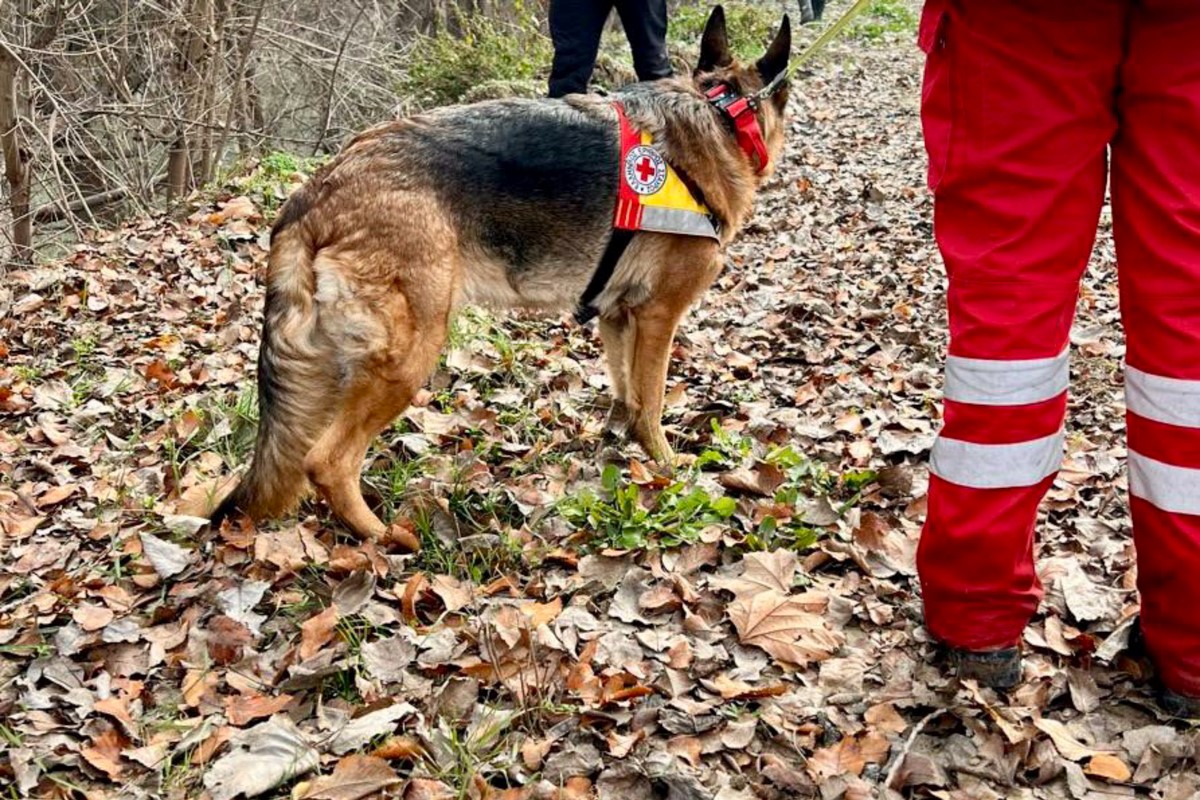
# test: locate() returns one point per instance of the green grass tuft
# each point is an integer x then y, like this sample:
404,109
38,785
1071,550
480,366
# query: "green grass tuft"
270,181
884,18
443,68
625,519
750,27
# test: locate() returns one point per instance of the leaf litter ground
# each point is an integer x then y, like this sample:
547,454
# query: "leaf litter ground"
576,625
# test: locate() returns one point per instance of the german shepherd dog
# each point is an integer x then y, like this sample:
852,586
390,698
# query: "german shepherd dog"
504,203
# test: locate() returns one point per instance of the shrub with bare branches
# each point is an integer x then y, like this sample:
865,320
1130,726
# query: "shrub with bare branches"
127,106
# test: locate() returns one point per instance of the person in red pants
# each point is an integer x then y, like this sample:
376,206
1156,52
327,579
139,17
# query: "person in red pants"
1026,105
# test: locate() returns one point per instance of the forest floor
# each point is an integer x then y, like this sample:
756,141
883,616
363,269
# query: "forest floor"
576,625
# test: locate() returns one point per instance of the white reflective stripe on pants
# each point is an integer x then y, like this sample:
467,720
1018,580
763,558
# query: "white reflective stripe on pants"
1164,486
1170,400
996,466
989,382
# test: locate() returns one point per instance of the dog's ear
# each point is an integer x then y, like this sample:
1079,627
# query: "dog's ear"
776,59
714,44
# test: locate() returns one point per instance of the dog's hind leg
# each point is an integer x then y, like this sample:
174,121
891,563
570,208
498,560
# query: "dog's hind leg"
335,463
617,334
382,387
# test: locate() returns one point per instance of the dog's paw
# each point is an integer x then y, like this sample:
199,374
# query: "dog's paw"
684,460
401,538
618,422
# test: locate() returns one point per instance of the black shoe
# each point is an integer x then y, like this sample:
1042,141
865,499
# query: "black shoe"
1179,705
998,669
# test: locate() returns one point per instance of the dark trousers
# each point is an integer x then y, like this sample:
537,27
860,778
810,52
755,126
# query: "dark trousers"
575,28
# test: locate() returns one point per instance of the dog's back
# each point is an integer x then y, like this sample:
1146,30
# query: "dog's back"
533,182
528,186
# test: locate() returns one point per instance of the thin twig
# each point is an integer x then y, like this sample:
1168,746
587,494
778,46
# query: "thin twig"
239,77
898,759
333,81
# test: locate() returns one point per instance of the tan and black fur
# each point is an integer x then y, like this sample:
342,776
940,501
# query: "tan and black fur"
506,203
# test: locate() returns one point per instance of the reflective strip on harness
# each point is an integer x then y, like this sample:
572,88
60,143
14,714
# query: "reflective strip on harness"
650,195
676,220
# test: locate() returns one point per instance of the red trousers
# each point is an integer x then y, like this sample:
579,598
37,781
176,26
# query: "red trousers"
1025,105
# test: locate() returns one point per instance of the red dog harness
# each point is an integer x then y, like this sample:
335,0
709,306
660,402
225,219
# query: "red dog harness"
740,111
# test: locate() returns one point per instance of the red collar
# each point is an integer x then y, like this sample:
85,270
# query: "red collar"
745,123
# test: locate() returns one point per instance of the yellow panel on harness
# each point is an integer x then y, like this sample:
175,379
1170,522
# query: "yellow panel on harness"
651,196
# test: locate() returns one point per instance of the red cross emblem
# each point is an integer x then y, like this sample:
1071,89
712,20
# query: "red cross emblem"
645,170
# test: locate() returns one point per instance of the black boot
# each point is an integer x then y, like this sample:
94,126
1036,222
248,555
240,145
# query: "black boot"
998,669
1179,705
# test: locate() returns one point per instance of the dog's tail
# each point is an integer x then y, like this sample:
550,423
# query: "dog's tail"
297,386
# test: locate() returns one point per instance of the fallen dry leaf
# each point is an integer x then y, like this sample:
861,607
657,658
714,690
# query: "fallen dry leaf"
781,626
357,732
761,572
354,777
885,718
426,789
104,753
762,480
243,709
262,758
739,690
198,686
167,558
317,632
116,708
91,617
400,748
542,613
227,639
850,756
1068,746
1109,767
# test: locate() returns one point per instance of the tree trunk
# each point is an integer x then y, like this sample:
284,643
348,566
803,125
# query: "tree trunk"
241,90
190,72
203,164
16,159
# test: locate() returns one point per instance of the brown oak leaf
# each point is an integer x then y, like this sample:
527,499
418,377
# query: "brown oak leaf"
354,777
317,632
104,753
783,627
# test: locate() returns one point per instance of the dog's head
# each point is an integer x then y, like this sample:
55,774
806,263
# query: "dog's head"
718,66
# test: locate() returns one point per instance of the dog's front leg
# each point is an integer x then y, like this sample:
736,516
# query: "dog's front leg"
689,266
652,330
618,336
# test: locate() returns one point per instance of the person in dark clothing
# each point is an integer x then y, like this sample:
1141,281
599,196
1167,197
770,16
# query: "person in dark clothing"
575,28
811,10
